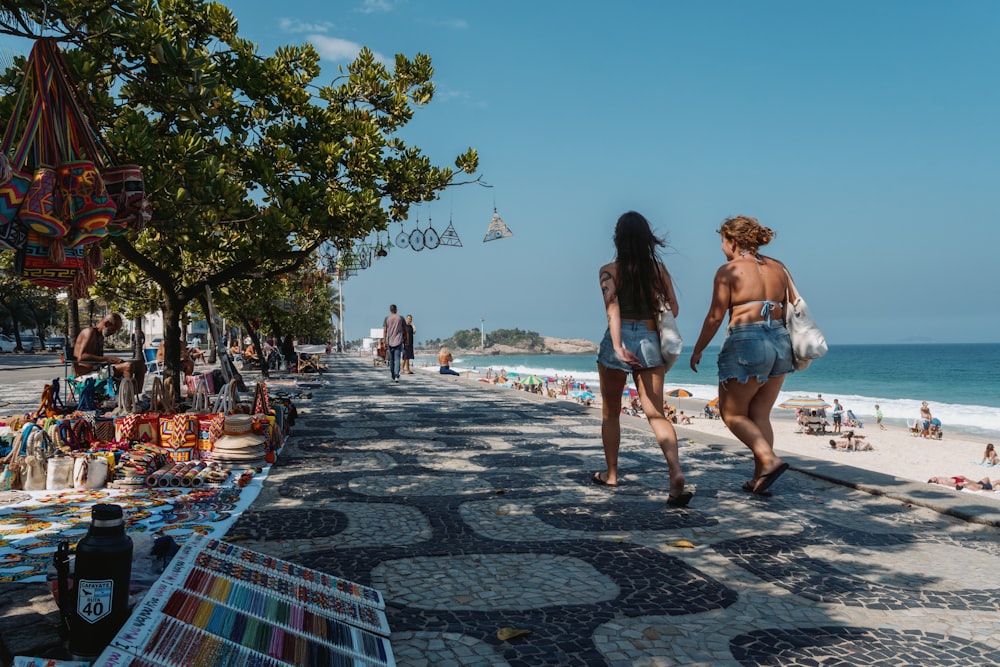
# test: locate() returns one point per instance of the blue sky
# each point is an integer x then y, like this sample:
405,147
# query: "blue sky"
864,133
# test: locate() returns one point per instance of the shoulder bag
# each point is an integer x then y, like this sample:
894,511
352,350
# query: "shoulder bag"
671,343
808,342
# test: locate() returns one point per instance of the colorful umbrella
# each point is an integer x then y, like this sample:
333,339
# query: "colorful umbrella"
712,403
805,402
630,392
582,395
532,380
679,393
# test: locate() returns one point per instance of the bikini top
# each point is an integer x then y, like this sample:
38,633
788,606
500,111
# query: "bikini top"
765,310
767,306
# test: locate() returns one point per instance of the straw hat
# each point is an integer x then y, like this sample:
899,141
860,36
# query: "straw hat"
238,443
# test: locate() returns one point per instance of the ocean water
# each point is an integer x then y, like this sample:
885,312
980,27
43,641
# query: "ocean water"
960,382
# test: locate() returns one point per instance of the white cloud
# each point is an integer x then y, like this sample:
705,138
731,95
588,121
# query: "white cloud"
451,24
336,49
372,6
298,25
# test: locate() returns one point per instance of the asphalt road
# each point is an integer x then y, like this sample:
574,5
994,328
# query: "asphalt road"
24,367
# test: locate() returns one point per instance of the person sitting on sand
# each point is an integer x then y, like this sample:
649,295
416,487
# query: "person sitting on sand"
990,456
444,360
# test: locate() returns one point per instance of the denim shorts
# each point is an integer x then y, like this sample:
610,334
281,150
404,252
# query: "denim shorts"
637,339
755,349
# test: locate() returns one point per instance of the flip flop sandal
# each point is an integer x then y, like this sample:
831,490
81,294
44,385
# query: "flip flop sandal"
596,479
681,500
748,488
764,482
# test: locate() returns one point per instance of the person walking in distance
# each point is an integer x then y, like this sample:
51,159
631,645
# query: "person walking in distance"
408,333
392,332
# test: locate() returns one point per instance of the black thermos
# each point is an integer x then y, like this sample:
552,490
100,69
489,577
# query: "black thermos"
101,583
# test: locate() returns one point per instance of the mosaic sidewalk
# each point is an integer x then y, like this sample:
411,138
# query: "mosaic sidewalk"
470,508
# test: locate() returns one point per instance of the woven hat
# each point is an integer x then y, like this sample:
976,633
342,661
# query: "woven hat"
238,443
237,424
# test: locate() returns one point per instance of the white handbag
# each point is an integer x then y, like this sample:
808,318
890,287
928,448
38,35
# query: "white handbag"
670,336
60,473
808,342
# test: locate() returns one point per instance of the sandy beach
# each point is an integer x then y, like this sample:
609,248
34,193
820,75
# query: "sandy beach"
896,452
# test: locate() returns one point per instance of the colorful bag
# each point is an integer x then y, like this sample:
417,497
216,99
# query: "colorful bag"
128,193
178,431
210,427
12,233
15,183
141,427
41,210
85,200
36,264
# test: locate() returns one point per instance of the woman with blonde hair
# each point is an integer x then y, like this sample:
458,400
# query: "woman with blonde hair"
757,353
632,285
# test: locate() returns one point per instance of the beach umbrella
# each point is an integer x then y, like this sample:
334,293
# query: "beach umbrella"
582,395
512,374
804,402
532,380
712,403
630,392
679,393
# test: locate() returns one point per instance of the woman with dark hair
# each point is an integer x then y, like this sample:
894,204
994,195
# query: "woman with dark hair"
632,286
757,353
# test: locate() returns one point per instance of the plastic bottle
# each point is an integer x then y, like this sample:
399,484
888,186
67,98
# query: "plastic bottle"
101,583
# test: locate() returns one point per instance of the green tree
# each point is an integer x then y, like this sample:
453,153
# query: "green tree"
250,163
298,303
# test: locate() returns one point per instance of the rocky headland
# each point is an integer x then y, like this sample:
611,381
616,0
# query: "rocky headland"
552,346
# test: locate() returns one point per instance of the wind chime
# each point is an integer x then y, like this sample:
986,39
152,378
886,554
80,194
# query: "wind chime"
449,236
498,229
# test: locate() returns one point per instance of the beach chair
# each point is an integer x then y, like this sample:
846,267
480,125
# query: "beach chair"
153,367
851,421
815,425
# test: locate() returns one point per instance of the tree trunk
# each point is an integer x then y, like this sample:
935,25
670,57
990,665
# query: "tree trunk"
73,320
258,348
172,341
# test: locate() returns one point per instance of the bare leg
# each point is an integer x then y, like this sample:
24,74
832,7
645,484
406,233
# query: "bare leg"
650,385
612,385
746,410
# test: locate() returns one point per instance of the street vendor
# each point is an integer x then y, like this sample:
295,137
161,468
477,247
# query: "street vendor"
88,353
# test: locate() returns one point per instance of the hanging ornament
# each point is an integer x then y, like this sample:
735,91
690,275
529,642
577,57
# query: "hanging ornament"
364,254
498,229
450,236
403,239
416,237
431,238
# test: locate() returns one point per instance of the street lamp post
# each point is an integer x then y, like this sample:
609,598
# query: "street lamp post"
482,333
340,329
